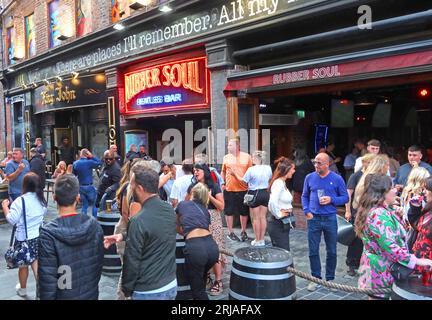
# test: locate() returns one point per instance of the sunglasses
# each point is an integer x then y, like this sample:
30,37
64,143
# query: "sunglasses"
317,163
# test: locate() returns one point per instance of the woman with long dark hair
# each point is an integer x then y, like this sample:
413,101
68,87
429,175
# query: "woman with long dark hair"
35,205
215,206
280,203
383,235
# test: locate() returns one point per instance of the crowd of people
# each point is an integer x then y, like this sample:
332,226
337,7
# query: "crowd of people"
158,200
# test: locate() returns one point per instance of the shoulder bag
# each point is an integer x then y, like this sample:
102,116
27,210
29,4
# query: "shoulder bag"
249,199
18,251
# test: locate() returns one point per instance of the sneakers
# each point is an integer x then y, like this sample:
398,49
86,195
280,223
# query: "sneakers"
22,292
312,286
233,237
332,289
244,236
217,288
260,243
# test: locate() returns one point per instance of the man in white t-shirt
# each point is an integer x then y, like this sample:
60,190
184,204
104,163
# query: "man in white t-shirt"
373,146
181,185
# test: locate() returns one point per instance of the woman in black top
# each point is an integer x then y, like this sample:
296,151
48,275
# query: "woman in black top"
201,251
215,206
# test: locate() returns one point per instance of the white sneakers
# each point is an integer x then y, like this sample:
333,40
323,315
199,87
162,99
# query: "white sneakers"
22,292
259,243
312,286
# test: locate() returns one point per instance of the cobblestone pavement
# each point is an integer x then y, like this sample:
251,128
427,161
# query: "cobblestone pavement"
108,284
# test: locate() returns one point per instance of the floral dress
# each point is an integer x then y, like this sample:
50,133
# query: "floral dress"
423,245
384,240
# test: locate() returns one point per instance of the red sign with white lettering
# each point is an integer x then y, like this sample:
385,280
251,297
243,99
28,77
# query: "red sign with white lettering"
166,87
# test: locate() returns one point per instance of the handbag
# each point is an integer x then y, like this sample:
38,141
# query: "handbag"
17,251
249,199
400,272
345,231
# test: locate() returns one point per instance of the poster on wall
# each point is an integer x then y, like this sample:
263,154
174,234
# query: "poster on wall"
84,17
136,137
30,36
53,10
120,9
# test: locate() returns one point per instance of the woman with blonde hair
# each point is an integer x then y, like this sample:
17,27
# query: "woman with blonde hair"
257,178
379,164
415,187
201,251
60,170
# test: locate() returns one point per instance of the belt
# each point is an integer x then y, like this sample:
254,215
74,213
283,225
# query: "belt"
86,185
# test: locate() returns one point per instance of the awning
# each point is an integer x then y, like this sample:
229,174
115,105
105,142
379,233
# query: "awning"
367,65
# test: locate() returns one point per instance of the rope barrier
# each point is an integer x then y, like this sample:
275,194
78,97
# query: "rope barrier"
328,284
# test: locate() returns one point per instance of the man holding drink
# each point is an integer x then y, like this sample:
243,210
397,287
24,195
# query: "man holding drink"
323,190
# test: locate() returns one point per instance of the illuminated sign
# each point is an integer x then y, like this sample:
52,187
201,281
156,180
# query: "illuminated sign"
171,86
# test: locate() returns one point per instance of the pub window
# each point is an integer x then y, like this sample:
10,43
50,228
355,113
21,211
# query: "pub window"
54,23
30,44
84,17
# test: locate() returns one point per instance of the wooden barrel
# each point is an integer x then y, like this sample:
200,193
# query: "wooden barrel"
411,289
3,195
260,273
183,287
111,263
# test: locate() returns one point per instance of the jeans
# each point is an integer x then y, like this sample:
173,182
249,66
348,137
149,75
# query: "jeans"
201,254
166,295
88,197
326,224
279,234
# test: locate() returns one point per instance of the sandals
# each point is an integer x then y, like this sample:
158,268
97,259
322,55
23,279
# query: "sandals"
217,288
209,282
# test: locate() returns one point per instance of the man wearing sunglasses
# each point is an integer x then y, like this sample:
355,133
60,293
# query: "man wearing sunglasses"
110,178
323,190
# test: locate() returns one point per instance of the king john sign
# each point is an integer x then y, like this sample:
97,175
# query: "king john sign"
176,85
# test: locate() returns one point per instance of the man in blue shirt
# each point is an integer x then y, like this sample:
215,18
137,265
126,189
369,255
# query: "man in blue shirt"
15,172
323,190
414,159
83,169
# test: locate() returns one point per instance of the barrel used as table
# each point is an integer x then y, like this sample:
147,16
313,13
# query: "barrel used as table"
260,273
183,287
111,262
411,289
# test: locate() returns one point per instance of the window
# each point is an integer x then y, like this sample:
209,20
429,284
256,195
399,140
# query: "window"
84,17
30,45
54,24
10,45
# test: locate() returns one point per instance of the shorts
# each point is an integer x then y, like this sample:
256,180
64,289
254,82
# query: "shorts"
262,197
234,203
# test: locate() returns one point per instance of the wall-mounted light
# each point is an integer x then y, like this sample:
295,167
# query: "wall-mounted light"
165,8
10,69
63,37
118,26
59,78
46,82
24,86
34,85
75,75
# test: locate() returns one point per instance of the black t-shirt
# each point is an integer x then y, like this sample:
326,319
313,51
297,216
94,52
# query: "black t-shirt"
214,188
193,215
352,184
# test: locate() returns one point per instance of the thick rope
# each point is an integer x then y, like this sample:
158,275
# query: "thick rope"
328,284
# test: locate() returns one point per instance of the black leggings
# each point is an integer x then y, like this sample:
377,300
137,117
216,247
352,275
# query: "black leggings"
201,254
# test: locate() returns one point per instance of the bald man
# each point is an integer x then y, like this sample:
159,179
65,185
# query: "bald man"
110,178
323,190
